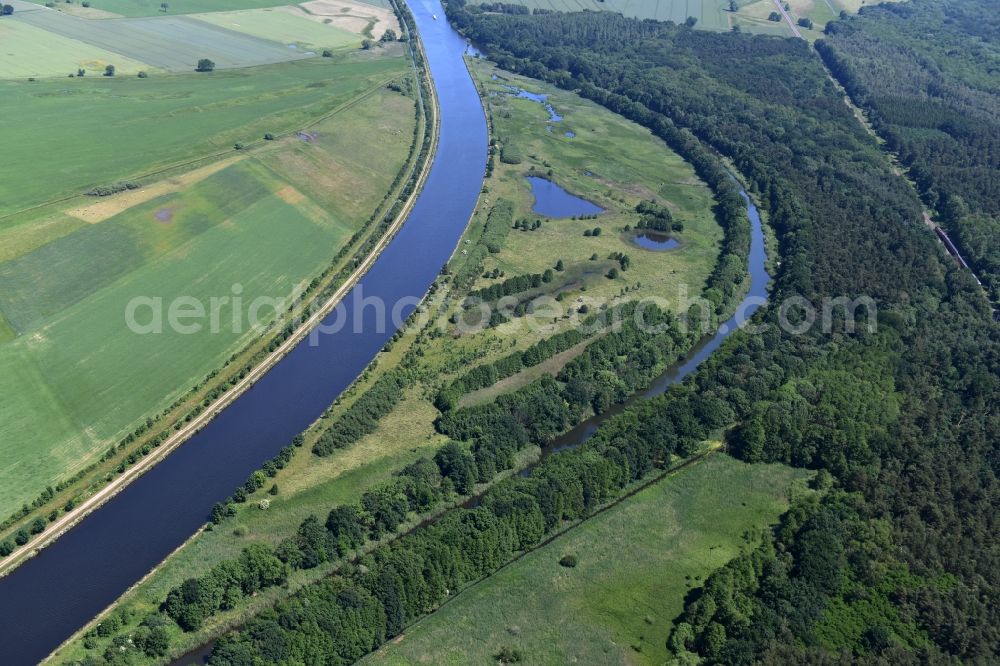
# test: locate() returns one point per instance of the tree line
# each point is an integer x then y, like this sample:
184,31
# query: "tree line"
924,74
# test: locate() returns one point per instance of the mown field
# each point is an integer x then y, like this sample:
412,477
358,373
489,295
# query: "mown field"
173,43
632,165
29,51
636,563
75,377
751,15
284,27
65,144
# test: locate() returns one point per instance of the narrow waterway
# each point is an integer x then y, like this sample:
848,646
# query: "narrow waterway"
756,297
52,595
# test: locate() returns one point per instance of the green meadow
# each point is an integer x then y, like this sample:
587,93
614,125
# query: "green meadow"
283,27
75,134
636,563
75,378
30,51
611,162
137,8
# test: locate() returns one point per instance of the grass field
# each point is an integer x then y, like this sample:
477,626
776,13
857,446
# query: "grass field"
173,43
284,27
752,15
29,51
637,561
140,8
76,134
75,377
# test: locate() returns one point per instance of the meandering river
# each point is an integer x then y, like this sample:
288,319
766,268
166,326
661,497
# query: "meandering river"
52,595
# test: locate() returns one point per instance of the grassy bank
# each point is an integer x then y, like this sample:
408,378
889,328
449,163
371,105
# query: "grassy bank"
635,564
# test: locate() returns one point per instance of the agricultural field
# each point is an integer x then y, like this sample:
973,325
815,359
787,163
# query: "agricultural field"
141,8
74,377
29,51
172,43
750,16
284,26
63,122
636,563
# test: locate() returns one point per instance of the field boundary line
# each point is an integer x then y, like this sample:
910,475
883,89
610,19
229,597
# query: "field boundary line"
109,491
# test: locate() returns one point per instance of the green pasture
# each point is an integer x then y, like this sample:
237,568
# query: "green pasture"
283,27
76,377
141,8
174,43
138,8
29,51
74,134
636,563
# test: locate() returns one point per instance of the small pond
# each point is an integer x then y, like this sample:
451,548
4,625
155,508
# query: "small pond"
520,93
655,241
553,201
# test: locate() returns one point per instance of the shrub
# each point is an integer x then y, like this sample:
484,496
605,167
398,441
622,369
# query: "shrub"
205,65
568,561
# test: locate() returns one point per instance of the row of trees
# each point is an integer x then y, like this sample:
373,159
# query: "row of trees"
373,599
488,374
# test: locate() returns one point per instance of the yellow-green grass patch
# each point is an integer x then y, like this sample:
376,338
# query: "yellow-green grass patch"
282,26
27,51
75,134
636,563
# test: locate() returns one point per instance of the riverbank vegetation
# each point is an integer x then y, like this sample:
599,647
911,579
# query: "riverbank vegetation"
386,460
898,563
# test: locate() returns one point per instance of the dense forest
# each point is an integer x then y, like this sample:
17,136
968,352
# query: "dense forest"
900,559
926,73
